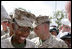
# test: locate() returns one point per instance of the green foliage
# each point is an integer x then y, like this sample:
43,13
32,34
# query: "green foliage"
22,9
51,18
58,15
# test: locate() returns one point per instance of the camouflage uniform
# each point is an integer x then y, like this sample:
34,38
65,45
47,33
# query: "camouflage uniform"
6,43
22,19
5,34
4,17
51,42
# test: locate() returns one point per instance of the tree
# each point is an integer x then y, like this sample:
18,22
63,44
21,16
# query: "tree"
59,15
22,9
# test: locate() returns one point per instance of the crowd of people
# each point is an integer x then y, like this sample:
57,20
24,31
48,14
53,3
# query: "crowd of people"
23,29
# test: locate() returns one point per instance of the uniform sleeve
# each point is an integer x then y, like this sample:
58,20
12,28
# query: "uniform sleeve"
64,45
53,42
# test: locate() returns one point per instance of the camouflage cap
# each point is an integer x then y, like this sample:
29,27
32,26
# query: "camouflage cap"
24,18
41,19
23,13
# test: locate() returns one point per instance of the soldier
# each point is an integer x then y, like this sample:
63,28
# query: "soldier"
31,16
42,31
54,31
67,39
9,30
4,14
4,20
21,28
65,29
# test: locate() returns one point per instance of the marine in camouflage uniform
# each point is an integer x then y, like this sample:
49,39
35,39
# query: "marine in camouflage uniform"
4,17
51,41
6,43
25,21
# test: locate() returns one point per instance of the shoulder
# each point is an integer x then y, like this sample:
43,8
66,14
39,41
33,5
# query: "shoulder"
54,42
5,42
59,42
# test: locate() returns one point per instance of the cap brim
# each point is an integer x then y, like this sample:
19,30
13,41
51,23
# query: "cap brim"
24,23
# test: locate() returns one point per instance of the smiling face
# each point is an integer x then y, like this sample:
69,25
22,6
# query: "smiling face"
21,33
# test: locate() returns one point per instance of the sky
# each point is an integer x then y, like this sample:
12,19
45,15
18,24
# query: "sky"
36,7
